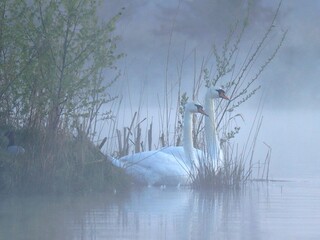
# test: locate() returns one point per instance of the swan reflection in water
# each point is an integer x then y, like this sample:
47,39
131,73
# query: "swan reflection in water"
277,210
152,213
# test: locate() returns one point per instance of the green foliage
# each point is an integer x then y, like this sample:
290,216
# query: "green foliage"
54,56
53,75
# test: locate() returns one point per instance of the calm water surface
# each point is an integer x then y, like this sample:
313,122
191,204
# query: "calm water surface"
278,210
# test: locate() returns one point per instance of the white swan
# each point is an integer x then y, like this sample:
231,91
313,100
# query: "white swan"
213,144
160,168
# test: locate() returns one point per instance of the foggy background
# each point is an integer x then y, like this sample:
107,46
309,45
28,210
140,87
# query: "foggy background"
159,36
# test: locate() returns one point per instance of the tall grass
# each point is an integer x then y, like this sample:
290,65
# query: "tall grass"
212,175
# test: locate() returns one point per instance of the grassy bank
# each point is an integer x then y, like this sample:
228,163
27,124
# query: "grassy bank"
54,163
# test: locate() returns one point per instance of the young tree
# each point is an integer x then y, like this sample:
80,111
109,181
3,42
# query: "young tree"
16,55
70,51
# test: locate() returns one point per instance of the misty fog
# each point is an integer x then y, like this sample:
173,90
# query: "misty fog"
167,40
160,38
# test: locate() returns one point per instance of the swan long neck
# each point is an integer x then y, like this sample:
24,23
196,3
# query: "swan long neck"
213,144
187,138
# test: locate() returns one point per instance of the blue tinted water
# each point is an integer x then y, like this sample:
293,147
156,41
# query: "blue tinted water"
278,210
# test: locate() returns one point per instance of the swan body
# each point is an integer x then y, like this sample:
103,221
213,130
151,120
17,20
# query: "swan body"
178,152
164,168
12,148
154,168
213,144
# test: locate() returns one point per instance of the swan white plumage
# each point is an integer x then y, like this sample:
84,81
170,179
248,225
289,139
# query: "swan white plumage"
213,146
161,168
213,143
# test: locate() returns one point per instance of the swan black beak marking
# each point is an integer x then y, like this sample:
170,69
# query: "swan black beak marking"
200,109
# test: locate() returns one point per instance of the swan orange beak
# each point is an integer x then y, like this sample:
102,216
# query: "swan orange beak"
203,112
222,95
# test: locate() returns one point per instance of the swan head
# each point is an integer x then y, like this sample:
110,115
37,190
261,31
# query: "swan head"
214,92
193,107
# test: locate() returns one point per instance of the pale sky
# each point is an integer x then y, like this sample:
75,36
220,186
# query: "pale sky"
152,31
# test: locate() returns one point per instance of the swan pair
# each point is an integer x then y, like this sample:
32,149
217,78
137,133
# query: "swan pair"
173,165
